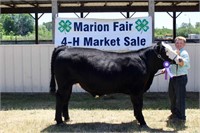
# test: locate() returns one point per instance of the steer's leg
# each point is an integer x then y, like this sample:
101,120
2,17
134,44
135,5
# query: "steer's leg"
66,101
60,96
59,105
137,102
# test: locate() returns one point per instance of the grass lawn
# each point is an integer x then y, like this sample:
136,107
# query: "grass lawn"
35,113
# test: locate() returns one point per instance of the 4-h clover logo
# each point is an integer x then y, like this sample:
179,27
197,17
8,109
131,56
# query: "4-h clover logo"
64,26
142,25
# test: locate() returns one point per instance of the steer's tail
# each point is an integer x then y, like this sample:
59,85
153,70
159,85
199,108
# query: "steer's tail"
53,58
52,82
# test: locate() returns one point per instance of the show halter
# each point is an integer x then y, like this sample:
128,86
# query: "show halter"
166,65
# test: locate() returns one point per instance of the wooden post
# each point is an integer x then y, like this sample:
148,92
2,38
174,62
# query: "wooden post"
151,13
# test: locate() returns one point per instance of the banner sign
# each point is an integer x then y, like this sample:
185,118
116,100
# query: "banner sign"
117,34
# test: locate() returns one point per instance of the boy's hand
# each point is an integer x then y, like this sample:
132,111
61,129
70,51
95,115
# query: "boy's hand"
163,70
178,52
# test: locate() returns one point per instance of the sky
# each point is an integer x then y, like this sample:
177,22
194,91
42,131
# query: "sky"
162,19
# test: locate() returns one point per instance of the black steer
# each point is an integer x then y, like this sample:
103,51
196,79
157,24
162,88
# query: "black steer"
99,73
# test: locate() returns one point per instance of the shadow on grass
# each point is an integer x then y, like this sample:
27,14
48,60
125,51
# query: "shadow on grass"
99,127
176,125
27,101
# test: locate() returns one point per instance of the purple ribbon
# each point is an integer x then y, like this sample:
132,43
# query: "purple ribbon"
166,64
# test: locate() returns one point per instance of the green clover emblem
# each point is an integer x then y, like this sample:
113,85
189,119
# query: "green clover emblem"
142,25
65,26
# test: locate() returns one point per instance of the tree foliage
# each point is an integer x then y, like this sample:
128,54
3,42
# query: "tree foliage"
161,33
19,24
9,24
1,31
25,24
48,25
183,30
188,28
197,25
44,33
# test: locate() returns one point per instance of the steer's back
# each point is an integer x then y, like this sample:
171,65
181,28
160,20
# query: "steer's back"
100,72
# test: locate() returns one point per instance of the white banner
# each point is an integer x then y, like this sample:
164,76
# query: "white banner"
119,34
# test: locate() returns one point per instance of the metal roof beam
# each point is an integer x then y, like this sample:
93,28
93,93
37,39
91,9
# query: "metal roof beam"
101,9
32,4
10,5
87,6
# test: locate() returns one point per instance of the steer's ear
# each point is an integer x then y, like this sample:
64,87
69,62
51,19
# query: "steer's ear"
159,46
159,43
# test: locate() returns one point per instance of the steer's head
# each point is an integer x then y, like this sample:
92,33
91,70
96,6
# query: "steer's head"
165,53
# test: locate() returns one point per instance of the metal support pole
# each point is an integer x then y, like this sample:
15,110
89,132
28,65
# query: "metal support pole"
174,17
199,11
127,14
54,9
151,13
82,15
36,29
174,26
199,5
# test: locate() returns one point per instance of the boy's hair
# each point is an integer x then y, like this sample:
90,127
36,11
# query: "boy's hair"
180,38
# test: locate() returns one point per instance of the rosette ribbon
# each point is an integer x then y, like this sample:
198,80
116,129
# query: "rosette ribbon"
166,65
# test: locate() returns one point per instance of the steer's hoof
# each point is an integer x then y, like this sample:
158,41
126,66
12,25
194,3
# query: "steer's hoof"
59,123
145,127
67,120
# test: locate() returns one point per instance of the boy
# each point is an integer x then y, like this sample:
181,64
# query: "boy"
177,84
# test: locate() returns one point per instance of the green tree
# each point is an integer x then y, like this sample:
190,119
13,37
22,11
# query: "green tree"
9,24
184,25
2,18
182,31
185,29
1,30
197,25
161,33
24,24
44,33
19,24
48,25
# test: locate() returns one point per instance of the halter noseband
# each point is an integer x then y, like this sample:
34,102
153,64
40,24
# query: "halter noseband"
158,55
